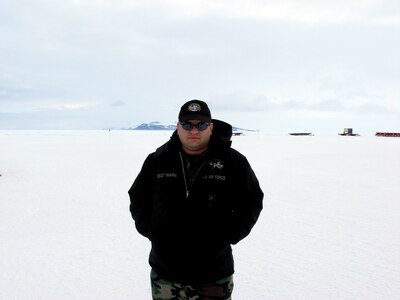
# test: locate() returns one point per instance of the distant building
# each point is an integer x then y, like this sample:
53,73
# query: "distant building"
348,132
388,134
300,133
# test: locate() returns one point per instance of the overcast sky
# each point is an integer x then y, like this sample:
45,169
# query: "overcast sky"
277,66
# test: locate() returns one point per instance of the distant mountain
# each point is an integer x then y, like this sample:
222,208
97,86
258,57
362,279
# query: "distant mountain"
236,129
154,126
159,126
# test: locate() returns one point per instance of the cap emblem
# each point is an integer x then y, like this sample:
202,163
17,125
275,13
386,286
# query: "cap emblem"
194,107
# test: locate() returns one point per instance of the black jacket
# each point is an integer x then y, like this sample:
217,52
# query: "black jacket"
191,233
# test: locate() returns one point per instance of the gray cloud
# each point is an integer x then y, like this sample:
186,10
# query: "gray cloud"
118,103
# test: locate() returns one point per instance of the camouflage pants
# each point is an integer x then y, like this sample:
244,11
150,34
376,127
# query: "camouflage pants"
163,289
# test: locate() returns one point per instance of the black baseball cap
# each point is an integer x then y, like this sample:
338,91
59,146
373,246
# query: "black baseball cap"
195,110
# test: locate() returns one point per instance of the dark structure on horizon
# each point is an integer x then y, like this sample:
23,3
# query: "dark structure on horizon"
388,134
348,132
301,133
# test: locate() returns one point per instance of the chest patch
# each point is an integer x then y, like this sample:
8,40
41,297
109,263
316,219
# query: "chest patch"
216,164
166,175
214,177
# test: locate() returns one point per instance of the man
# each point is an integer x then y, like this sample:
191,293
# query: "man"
193,198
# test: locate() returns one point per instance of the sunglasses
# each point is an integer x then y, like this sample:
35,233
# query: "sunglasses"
199,126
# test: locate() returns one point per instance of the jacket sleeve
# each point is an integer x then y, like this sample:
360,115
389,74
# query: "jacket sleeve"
140,195
247,201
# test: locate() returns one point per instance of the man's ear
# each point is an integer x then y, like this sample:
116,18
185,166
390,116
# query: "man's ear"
211,127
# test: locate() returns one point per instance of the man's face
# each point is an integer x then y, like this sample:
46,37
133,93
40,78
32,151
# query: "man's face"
194,141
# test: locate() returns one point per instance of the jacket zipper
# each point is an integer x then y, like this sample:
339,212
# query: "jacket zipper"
187,187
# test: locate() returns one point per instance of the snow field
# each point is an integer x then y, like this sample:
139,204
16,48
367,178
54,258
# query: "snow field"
329,229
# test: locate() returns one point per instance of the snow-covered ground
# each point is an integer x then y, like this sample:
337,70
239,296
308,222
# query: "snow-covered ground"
330,228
